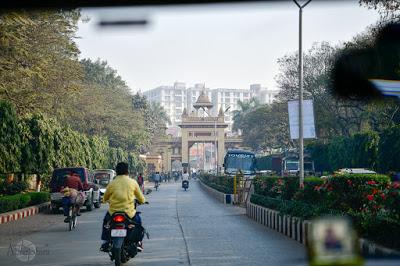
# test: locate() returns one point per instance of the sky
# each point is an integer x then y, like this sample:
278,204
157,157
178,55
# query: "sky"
223,46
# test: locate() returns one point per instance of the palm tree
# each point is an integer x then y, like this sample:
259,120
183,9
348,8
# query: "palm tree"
244,108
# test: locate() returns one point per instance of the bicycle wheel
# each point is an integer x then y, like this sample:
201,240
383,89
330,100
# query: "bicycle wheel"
70,221
74,220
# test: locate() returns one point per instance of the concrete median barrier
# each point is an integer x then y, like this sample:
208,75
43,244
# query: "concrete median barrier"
23,213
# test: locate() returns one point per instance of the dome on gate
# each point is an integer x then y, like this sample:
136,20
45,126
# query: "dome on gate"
203,101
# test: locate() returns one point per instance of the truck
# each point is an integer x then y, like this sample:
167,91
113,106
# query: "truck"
284,164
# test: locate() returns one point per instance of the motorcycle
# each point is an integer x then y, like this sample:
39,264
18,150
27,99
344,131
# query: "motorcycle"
185,184
126,235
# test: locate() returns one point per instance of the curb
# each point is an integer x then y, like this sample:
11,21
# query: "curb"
23,213
298,229
221,197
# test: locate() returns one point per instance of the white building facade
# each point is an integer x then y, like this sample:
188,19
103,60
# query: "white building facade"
177,97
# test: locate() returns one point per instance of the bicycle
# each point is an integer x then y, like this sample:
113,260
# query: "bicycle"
72,216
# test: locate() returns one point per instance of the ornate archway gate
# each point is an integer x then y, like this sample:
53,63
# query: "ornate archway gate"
197,127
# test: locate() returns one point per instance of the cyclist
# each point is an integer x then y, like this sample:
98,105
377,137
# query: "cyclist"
72,186
121,194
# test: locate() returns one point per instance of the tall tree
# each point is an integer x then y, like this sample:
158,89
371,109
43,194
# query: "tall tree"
103,107
38,59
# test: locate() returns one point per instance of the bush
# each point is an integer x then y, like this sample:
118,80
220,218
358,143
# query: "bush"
291,207
361,150
19,201
9,203
352,191
24,200
276,187
39,197
266,202
378,228
221,183
12,188
310,193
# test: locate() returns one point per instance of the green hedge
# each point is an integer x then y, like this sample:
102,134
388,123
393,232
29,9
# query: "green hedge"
365,150
12,188
19,201
358,151
292,207
221,183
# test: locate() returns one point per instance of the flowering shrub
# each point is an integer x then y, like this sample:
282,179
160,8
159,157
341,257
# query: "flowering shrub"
276,187
371,201
355,191
311,192
391,199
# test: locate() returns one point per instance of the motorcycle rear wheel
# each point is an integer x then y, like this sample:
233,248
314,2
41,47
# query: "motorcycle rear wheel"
117,256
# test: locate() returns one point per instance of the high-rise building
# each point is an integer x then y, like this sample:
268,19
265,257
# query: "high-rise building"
177,97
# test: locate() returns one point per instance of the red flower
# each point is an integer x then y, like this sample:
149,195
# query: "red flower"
383,196
370,197
349,182
396,185
374,191
371,182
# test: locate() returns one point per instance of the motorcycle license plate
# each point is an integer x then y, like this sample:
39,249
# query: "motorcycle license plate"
118,232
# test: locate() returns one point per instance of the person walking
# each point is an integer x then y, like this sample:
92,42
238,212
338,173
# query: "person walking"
140,181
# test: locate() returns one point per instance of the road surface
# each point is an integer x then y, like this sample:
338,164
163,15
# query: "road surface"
186,228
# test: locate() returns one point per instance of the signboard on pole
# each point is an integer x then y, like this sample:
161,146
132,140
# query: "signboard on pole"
308,119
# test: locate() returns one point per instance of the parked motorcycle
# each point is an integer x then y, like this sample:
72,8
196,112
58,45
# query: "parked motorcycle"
126,237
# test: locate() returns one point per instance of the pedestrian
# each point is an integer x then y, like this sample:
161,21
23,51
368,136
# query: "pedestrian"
141,182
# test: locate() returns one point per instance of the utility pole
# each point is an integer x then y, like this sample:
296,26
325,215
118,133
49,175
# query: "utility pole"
301,140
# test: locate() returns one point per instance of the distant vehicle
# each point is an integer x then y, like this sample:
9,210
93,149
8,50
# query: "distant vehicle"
284,164
270,164
185,184
102,177
354,171
236,160
92,192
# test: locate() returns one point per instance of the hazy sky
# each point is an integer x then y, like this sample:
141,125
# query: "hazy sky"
229,46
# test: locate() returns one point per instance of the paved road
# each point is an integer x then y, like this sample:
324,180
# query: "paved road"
186,228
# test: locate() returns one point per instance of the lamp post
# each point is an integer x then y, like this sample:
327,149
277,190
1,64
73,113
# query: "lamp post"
301,140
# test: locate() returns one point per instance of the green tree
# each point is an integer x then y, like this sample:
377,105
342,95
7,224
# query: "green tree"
10,140
38,59
244,108
103,107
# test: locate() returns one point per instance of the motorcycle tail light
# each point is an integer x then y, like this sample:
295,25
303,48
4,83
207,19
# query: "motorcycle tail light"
119,219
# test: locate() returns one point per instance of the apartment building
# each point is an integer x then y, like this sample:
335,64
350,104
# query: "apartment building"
177,97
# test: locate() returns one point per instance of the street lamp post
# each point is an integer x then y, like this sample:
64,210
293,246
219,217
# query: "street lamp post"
301,140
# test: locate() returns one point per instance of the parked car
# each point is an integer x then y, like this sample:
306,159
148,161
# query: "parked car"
354,171
102,177
92,191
